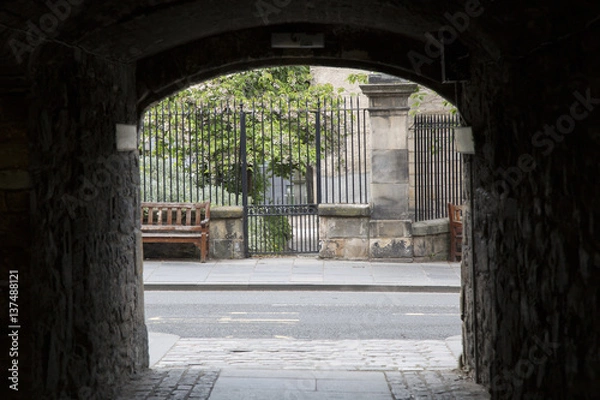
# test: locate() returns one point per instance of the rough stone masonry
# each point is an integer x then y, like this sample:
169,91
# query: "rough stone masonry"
518,73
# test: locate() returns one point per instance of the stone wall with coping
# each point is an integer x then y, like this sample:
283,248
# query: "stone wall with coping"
226,232
347,231
344,231
431,240
391,240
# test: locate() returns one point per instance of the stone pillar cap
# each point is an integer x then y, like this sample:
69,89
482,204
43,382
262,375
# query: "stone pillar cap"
389,89
379,78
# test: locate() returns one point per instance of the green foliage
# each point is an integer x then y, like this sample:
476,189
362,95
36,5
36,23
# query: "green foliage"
270,233
418,97
164,182
453,110
361,78
197,129
260,86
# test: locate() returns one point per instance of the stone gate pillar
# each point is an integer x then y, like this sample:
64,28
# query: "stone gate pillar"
390,230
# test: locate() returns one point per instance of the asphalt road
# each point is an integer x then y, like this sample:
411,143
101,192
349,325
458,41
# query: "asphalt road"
304,315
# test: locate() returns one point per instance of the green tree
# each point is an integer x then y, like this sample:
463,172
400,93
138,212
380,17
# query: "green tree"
201,125
262,85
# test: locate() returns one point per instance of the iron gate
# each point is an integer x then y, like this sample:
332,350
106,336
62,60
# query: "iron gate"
278,160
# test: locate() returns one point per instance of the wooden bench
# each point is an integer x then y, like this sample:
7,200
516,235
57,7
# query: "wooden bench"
177,223
456,231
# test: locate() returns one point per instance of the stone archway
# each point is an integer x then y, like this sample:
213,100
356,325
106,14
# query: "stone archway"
531,95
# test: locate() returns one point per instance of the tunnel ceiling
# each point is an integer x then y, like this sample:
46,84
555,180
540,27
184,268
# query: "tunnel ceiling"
128,31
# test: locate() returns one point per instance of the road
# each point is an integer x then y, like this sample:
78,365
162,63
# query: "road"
304,315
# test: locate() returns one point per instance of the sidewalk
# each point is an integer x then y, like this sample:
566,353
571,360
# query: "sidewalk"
285,368
276,369
302,273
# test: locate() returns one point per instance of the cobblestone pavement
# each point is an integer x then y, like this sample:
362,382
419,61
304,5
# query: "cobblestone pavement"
347,355
285,369
193,383
196,383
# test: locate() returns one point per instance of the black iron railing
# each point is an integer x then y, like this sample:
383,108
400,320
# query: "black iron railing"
438,167
261,156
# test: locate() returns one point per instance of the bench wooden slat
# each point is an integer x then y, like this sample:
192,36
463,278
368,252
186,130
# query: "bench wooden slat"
172,235
169,204
169,228
169,216
188,217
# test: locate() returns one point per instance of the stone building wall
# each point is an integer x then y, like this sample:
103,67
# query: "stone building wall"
338,77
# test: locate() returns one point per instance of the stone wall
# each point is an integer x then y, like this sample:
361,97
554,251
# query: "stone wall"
431,240
89,334
348,232
338,77
344,231
391,240
227,232
387,230
531,302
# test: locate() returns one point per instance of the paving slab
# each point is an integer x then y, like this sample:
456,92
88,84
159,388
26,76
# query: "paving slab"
195,383
159,344
301,273
300,384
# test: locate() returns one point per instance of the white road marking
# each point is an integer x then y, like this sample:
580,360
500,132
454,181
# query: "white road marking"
229,320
